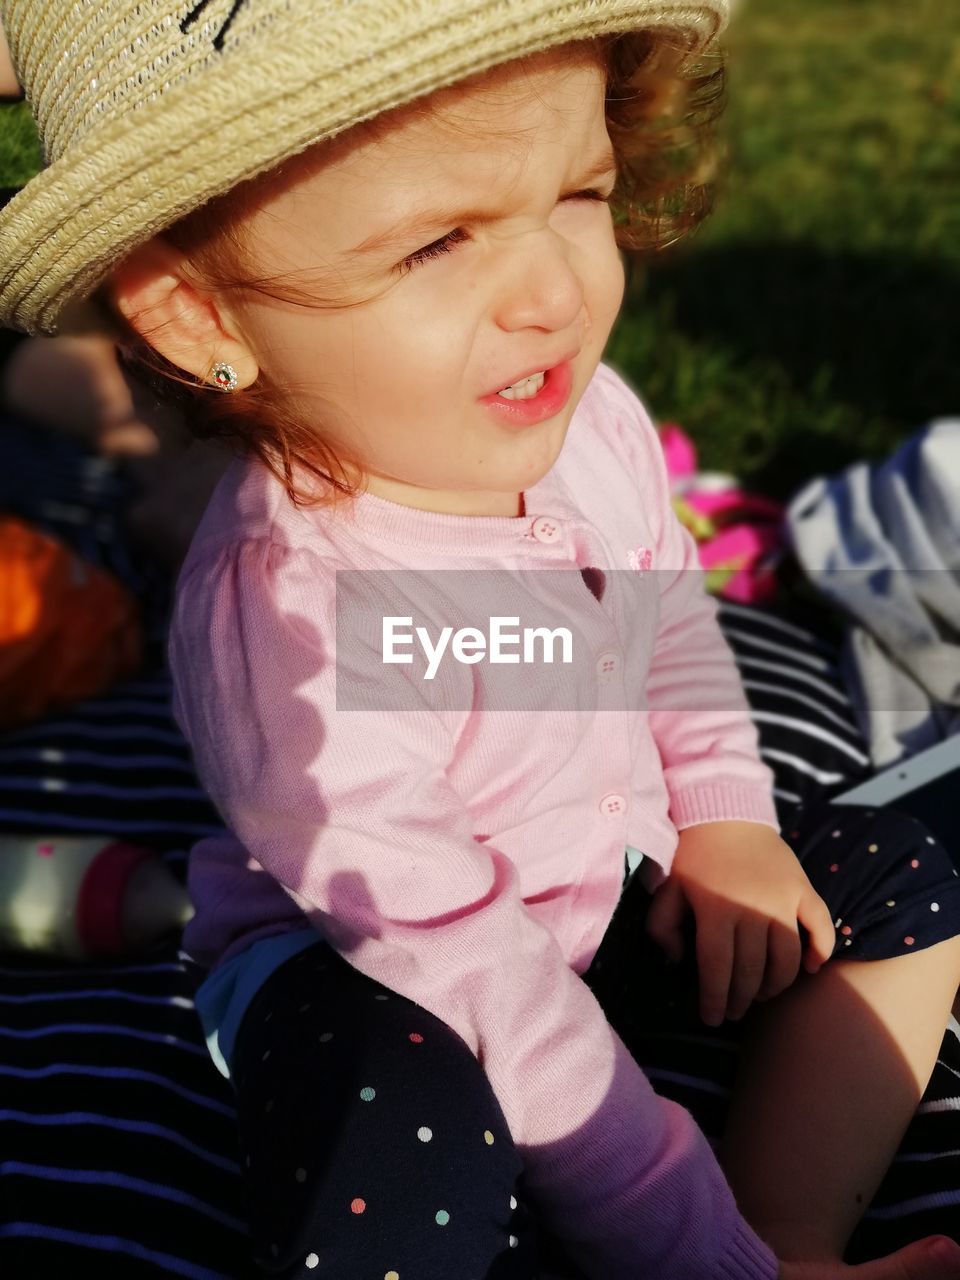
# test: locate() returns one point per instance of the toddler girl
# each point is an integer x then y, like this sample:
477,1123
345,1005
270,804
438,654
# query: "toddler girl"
385,231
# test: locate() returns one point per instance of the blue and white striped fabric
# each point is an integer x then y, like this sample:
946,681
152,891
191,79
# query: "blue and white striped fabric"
117,1142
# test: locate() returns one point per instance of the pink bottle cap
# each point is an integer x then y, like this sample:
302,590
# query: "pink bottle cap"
100,900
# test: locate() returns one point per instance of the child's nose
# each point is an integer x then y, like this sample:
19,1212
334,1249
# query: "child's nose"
537,286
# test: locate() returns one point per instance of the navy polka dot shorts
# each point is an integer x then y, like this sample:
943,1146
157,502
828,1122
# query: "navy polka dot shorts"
890,885
372,1145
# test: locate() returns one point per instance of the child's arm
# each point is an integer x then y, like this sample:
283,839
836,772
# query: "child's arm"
744,885
353,813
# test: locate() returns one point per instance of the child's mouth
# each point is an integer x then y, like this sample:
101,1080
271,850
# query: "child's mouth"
535,398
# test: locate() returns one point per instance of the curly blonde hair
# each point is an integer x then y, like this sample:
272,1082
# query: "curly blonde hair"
661,106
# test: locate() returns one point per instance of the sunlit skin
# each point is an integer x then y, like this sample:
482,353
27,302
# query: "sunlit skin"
533,277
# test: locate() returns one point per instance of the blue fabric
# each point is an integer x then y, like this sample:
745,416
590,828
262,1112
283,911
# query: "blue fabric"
634,858
881,541
223,998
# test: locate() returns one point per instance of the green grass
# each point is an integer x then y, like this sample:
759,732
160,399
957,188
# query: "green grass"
19,147
812,320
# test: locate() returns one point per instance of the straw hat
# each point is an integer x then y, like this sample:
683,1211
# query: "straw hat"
147,108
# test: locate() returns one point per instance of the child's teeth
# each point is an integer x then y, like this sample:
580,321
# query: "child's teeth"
524,389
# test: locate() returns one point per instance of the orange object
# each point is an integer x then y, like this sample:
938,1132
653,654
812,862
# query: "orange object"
68,630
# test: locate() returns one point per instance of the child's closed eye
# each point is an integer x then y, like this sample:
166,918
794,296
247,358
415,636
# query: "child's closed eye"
434,250
458,236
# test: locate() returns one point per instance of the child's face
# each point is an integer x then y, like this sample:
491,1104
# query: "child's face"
522,274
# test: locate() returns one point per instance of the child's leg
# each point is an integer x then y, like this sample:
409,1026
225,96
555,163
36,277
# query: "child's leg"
830,1076
370,1139
833,1069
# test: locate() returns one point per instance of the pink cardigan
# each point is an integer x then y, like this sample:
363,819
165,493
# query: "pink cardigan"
461,839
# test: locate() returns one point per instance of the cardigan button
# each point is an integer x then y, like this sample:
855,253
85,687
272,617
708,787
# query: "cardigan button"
545,530
613,804
607,664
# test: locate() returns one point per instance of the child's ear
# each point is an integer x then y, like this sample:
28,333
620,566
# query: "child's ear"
189,328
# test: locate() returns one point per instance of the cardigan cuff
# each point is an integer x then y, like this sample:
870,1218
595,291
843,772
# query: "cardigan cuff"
716,802
748,1258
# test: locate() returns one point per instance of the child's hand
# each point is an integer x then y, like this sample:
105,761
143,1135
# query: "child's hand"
748,894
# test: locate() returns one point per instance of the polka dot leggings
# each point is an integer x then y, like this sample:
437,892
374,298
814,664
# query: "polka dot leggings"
372,1143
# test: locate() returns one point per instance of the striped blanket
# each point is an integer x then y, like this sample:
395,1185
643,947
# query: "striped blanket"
117,1147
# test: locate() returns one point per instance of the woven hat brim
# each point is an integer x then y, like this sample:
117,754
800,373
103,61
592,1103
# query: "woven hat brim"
136,174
